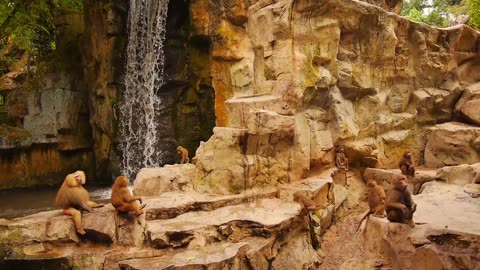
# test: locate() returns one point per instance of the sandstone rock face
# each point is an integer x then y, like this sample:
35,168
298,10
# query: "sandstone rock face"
468,106
106,42
323,68
451,144
460,175
155,181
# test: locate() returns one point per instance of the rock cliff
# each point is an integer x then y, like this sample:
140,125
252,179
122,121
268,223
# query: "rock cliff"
294,78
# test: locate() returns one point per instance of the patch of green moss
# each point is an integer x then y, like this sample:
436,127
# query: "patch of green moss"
10,133
8,238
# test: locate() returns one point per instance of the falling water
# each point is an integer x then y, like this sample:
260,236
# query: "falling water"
144,76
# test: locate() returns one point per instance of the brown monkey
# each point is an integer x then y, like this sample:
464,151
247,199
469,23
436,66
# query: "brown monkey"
122,198
183,153
376,201
72,197
406,165
340,159
399,204
304,201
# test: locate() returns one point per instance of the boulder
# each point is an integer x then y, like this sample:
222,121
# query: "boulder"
448,238
155,181
451,144
297,253
460,175
468,107
267,122
435,105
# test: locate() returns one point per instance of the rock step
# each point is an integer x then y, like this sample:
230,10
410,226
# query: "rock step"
217,256
260,218
171,204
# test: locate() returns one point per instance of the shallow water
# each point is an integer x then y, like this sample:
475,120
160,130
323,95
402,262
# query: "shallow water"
23,202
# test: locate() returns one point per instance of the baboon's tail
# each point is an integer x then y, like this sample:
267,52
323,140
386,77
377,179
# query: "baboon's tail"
364,216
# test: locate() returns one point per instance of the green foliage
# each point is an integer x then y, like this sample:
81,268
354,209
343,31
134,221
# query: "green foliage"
474,12
29,24
440,12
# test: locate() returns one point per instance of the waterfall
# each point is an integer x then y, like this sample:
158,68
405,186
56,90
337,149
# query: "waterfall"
144,76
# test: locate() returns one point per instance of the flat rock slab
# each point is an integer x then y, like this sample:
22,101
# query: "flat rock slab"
447,206
235,222
424,247
156,181
451,144
461,174
315,187
171,204
54,227
215,256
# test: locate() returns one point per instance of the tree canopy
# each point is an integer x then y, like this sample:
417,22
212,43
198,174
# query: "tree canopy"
440,12
29,24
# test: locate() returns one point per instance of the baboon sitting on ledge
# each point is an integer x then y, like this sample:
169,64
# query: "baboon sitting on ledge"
399,204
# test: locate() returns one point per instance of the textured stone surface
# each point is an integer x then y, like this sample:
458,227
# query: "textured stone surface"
448,239
451,144
220,256
330,73
468,106
172,204
155,181
460,175
262,218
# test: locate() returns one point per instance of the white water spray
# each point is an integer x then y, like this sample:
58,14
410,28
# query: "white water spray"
144,76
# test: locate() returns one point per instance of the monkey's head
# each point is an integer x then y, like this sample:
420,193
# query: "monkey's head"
340,149
296,196
407,154
121,181
76,179
178,150
371,183
400,183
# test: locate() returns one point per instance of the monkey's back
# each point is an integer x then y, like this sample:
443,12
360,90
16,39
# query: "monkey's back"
68,196
118,195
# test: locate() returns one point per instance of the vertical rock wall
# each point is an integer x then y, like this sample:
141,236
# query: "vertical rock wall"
105,42
346,71
46,134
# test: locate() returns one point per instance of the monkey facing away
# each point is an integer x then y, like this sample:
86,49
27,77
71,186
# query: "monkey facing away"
72,198
376,201
122,198
183,153
399,204
406,164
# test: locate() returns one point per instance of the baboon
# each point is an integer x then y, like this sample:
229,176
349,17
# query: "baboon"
399,204
72,197
340,159
122,198
183,153
376,201
406,164
304,201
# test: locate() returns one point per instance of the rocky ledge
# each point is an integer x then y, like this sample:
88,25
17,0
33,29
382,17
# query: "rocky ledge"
258,229
447,234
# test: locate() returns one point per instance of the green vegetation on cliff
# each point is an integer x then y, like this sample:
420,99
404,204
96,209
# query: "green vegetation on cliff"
440,12
30,24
